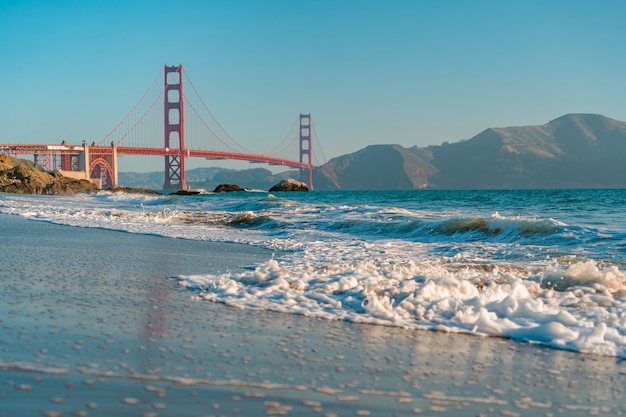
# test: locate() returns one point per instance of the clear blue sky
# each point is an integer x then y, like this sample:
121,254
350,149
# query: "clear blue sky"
407,72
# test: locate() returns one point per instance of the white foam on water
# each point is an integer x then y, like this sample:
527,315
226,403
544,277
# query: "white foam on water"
586,315
440,271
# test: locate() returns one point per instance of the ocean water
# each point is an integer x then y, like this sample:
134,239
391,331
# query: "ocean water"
536,266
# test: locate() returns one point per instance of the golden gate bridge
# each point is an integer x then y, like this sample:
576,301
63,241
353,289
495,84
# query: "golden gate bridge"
183,128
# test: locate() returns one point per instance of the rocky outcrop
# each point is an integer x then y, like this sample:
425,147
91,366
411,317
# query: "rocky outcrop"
5,162
186,192
289,185
20,179
227,188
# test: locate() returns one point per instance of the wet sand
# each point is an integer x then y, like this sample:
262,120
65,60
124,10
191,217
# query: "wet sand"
92,324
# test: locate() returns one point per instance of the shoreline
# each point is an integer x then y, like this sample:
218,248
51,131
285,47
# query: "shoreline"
93,325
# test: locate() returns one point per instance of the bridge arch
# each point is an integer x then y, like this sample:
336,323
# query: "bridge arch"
100,168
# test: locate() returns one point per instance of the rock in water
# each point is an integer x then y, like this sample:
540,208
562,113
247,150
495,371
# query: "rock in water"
185,192
227,188
290,185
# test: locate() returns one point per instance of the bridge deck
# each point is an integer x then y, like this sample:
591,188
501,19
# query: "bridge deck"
30,149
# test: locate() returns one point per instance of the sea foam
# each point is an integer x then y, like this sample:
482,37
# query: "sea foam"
429,296
546,278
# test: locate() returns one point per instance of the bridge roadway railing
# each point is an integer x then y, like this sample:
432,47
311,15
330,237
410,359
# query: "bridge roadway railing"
32,149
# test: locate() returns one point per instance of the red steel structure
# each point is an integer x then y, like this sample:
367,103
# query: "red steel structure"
305,148
102,168
174,129
50,157
100,162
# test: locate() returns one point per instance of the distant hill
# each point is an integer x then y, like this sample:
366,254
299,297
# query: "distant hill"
376,167
253,178
572,151
154,180
209,178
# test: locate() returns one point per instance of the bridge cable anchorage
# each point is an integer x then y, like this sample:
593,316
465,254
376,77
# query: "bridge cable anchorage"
101,142
193,87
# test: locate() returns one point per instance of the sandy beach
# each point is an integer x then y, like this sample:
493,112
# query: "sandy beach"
93,324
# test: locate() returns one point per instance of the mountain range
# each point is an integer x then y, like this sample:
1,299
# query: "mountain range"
572,151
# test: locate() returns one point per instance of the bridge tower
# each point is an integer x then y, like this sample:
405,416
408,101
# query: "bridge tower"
173,107
306,150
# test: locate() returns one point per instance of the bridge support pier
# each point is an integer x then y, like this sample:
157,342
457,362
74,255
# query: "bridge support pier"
83,159
173,107
306,150
100,164
114,165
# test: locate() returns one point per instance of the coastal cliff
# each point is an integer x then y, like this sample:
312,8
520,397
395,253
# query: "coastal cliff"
18,176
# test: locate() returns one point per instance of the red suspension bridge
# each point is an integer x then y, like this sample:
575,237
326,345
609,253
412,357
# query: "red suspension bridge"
184,128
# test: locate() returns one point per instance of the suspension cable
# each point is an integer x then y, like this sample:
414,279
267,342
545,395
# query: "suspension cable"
213,117
319,147
133,109
286,141
142,116
208,127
